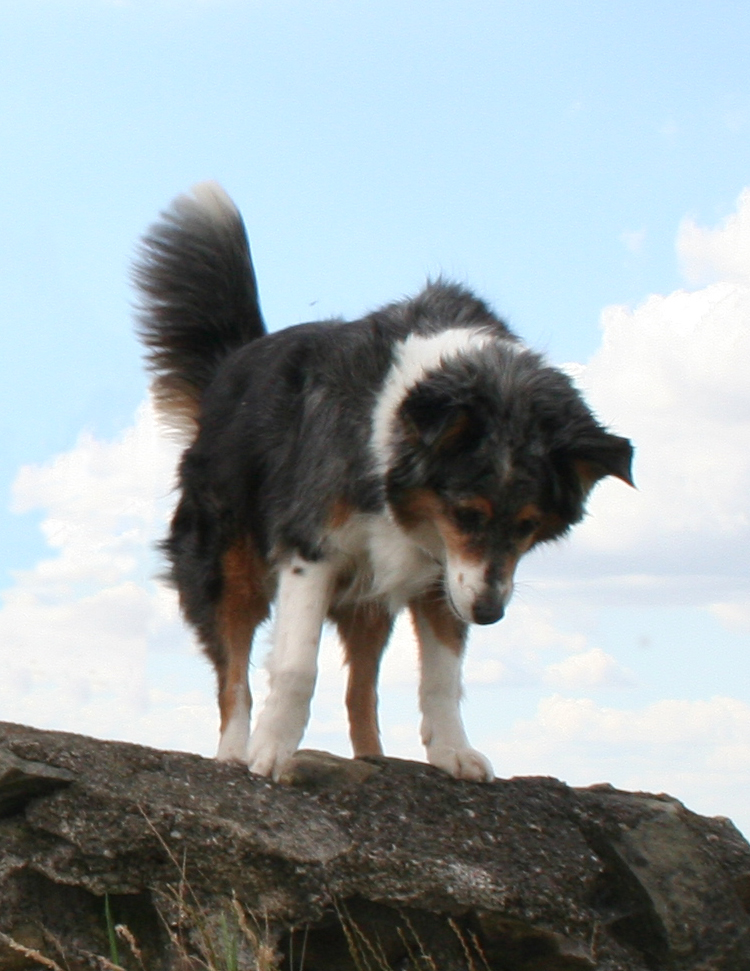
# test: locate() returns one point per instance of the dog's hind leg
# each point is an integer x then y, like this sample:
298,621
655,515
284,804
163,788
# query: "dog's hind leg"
243,605
364,630
442,638
303,600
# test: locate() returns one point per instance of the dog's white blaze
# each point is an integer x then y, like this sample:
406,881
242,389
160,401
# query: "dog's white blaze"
304,594
416,357
443,733
466,583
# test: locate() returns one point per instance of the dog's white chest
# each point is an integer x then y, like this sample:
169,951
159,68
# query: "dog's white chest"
380,561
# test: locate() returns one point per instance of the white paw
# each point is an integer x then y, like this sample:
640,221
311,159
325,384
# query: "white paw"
233,743
228,753
269,756
461,763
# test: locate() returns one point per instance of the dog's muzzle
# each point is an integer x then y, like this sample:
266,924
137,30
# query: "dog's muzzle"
489,608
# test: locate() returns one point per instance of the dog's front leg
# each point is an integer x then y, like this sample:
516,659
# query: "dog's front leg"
441,646
303,598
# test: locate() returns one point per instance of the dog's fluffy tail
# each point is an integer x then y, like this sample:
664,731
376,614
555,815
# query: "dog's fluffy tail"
199,298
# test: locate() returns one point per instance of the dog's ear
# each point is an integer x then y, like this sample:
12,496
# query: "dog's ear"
434,419
600,455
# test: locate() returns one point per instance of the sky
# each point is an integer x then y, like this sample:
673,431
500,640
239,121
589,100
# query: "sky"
585,167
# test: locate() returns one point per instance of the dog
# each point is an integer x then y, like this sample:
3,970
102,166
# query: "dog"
346,471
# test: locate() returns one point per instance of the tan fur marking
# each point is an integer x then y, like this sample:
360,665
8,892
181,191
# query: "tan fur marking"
243,605
423,505
510,562
529,511
547,526
448,629
586,475
341,511
550,526
457,543
449,435
454,432
589,473
364,630
419,505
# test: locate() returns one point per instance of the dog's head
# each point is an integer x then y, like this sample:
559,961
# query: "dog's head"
492,456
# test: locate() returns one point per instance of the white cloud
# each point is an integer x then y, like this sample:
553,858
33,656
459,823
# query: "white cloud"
666,722
722,253
76,630
518,650
104,502
734,616
696,750
588,670
671,374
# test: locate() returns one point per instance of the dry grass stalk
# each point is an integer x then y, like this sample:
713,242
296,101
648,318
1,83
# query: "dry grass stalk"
265,953
125,934
467,948
29,952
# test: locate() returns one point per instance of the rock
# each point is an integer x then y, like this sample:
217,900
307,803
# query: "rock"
117,853
316,771
21,780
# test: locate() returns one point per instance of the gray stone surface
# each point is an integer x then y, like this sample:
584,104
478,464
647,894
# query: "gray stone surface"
369,864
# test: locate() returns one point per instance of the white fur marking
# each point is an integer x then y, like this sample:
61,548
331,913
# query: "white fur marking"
466,582
401,568
443,733
303,600
233,741
211,199
387,563
415,358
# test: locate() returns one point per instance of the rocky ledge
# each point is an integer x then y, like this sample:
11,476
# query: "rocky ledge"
116,854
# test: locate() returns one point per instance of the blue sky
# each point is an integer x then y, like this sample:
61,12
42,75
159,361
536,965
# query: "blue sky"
580,164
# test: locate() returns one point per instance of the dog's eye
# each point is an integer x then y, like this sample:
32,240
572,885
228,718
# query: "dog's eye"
470,518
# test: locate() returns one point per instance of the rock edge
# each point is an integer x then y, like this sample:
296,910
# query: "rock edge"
389,858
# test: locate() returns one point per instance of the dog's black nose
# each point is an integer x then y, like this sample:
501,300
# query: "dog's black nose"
488,610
